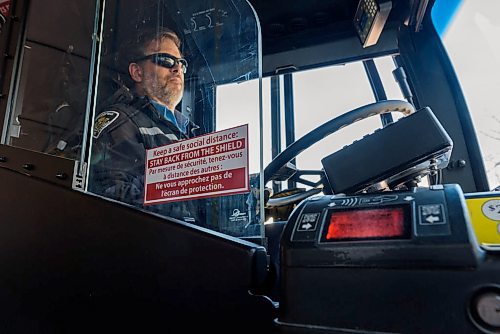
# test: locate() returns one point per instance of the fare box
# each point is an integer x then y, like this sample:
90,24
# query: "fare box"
214,164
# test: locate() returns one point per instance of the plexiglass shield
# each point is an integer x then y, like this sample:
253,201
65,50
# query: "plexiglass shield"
162,140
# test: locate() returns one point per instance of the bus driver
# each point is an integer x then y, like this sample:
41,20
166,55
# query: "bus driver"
145,119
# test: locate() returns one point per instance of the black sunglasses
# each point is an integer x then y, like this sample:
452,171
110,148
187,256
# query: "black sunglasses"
166,60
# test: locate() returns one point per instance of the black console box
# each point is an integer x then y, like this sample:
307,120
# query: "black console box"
400,150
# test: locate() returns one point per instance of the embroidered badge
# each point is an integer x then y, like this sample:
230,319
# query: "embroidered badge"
103,120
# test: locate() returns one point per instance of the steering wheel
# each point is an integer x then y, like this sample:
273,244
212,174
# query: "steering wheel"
326,129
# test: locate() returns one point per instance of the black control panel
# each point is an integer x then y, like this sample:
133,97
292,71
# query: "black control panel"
398,262
408,226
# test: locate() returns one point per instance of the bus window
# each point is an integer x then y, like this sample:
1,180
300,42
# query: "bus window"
386,67
230,112
48,102
336,89
469,30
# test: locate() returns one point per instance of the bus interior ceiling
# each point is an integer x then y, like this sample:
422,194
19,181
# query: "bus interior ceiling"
301,35
306,35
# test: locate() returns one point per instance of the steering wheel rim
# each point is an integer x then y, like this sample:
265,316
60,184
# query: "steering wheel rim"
332,126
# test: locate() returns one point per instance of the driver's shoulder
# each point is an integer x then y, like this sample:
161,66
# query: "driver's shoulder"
112,117
122,114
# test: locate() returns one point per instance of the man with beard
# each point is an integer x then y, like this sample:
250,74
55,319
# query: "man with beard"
142,119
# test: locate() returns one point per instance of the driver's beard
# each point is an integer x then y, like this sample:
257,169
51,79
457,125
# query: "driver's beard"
165,94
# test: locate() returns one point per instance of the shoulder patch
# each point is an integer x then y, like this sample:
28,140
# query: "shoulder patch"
102,121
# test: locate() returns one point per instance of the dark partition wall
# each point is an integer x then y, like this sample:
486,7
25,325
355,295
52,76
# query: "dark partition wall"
75,263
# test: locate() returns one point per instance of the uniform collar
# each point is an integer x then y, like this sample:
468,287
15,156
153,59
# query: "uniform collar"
174,117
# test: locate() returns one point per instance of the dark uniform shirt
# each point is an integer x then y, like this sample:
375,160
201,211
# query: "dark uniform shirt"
121,135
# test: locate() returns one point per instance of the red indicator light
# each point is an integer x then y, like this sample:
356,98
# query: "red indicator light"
366,224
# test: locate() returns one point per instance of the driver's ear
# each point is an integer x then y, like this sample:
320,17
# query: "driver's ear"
135,71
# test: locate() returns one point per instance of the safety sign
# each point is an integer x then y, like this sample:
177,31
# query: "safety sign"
215,164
